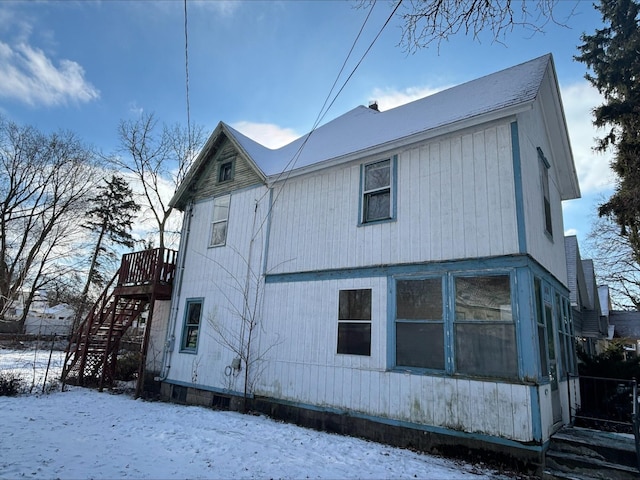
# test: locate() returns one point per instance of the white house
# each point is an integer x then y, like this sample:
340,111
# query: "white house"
397,275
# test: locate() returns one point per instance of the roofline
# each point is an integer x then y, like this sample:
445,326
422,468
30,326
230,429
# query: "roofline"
505,113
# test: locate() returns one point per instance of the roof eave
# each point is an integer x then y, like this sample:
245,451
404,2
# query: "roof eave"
408,140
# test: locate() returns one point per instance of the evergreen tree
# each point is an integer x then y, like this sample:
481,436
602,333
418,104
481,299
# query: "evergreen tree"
110,217
613,56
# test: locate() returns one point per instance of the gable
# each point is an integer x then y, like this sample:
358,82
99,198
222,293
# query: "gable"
205,180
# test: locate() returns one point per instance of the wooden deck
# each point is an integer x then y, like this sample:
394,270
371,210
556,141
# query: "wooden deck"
145,273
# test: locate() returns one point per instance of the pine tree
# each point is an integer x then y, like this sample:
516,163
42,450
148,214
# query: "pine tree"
613,56
111,218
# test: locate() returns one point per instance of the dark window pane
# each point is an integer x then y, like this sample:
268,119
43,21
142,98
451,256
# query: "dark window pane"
354,305
486,350
354,338
193,317
191,338
377,175
420,345
226,170
483,298
419,299
377,206
542,347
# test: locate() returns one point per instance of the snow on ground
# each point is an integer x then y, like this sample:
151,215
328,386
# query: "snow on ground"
81,433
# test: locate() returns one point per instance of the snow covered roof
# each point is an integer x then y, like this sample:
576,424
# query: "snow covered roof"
363,128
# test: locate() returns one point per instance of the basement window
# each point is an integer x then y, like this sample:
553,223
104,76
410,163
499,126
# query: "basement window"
191,327
354,322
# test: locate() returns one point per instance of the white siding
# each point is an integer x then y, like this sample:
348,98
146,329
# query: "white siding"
302,366
219,276
455,199
549,251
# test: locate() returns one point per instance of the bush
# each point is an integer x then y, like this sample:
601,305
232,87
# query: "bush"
127,366
610,364
11,384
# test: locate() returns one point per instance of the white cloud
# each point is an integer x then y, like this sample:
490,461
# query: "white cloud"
594,173
388,98
224,8
28,75
267,134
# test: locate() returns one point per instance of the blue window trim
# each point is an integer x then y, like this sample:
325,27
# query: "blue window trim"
394,192
448,316
183,338
544,179
517,179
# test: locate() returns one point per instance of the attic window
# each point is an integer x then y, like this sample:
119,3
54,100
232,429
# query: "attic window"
225,173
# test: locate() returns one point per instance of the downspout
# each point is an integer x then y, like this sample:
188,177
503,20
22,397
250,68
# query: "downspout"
169,344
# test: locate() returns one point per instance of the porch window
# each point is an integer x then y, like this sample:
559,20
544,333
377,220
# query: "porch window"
485,340
419,324
220,220
191,327
544,175
377,194
354,322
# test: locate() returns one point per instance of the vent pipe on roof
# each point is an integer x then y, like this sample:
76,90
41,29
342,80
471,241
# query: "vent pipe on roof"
374,105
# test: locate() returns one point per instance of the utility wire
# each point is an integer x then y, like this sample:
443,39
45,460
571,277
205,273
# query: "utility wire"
294,159
186,68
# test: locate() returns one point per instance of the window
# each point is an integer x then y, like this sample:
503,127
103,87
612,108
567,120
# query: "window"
485,342
544,174
354,322
225,174
193,312
376,191
419,324
220,220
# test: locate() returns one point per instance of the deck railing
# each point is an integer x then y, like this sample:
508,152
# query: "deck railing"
147,267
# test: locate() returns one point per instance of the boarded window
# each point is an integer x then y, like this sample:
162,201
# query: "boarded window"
191,328
376,201
419,324
354,322
485,340
220,220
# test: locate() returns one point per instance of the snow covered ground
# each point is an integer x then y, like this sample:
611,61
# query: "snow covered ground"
81,434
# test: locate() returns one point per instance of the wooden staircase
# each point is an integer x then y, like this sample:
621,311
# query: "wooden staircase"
92,354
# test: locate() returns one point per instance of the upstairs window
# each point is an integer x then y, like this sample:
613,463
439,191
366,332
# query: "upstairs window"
191,327
354,322
377,191
225,174
544,176
220,220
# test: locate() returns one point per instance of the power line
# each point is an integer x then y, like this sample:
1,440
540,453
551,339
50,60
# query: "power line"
186,68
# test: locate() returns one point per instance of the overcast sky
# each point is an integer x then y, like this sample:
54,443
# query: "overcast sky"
264,67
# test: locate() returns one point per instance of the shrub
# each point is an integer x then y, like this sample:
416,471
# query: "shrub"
11,384
127,366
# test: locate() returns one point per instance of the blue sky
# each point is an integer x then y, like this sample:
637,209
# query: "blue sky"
265,67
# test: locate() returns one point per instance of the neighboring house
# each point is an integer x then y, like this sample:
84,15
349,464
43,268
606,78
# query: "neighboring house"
626,330
589,302
41,319
397,275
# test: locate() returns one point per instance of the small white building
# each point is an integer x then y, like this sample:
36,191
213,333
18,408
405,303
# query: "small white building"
42,319
398,275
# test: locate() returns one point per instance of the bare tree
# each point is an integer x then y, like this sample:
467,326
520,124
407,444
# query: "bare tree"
431,21
44,181
240,336
158,158
617,263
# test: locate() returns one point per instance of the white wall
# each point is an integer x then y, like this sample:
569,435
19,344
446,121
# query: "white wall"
455,200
